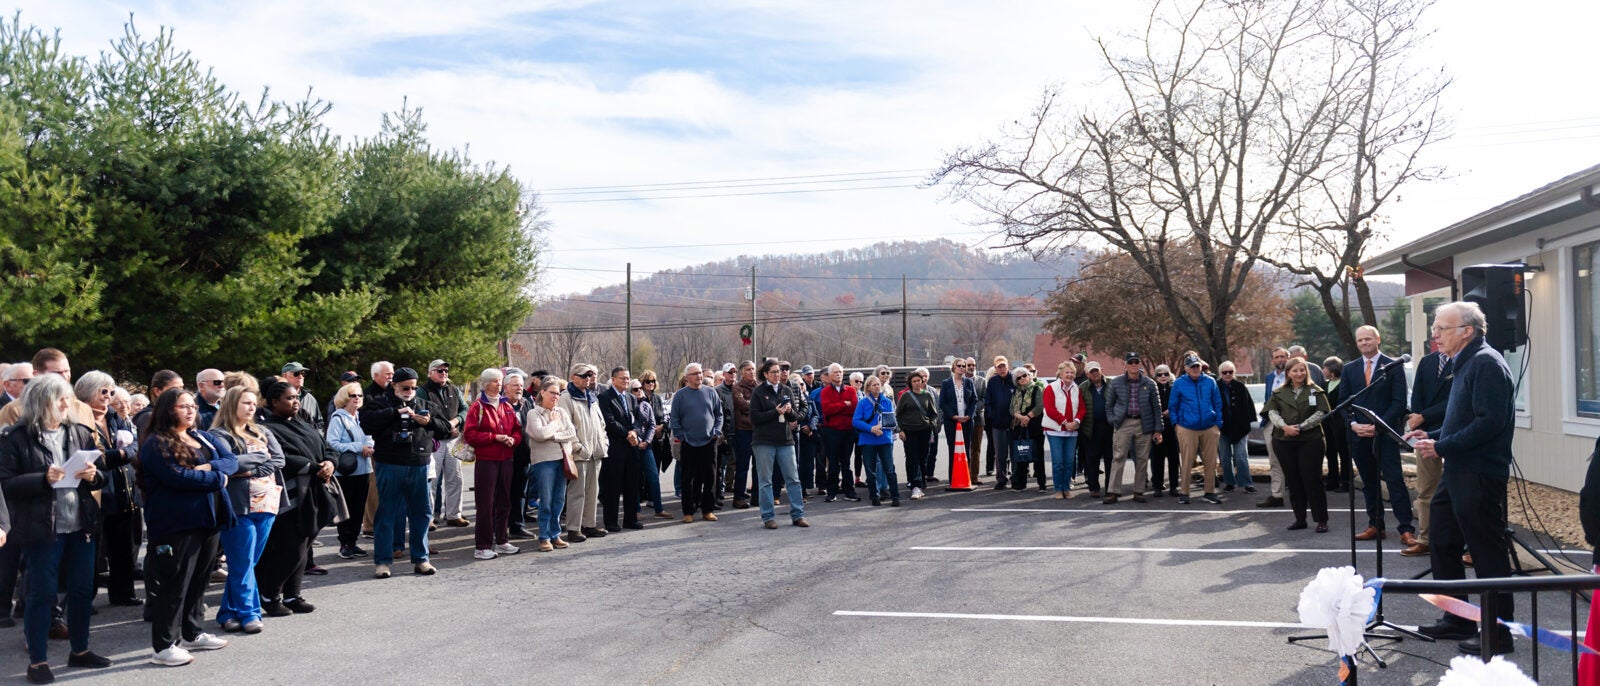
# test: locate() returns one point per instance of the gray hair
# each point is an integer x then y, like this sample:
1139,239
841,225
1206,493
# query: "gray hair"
689,368
1226,366
1470,314
379,366
1297,350
518,375
835,367
490,374
17,369
89,384
41,402
854,376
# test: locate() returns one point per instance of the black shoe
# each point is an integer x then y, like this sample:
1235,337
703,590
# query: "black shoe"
635,526
1211,498
1228,488
299,606
1449,630
1297,525
40,674
612,528
275,608
576,537
1157,492
830,498
933,479
876,502
7,622
347,552
592,532
852,497
894,503
88,659
1182,499
131,601
1474,645
316,570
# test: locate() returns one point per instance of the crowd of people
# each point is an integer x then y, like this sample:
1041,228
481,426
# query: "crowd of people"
234,481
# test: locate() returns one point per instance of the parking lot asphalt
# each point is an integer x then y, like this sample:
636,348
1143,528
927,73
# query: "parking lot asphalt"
980,587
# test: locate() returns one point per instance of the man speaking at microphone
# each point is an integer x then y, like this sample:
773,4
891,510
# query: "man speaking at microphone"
1474,443
1387,378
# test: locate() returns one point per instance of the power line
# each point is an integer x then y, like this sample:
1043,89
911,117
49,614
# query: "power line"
862,179
765,277
727,195
761,178
736,244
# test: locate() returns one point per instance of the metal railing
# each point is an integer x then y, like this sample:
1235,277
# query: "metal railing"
1492,590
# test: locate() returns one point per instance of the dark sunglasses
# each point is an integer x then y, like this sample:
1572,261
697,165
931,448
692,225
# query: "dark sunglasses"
398,388
217,382
354,395
586,375
289,374
1226,373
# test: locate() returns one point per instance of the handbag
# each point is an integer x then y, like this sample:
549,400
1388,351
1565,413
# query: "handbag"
461,450
347,462
1022,450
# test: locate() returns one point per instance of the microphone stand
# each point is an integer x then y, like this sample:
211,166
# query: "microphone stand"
1378,621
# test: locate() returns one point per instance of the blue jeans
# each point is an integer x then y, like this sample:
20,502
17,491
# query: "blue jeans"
402,499
879,463
552,496
241,598
1235,458
783,455
652,477
68,559
742,442
1063,460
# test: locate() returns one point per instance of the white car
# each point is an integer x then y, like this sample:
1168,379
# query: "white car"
1256,444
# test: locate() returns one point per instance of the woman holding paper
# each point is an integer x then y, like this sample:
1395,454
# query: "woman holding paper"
50,488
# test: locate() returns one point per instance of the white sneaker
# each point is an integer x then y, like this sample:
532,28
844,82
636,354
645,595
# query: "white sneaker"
173,656
507,549
203,642
484,555
916,493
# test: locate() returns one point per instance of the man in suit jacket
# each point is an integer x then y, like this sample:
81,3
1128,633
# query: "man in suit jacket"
619,472
958,401
1474,444
1387,399
1429,397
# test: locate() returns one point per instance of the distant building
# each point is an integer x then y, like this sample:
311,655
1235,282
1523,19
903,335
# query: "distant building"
1048,354
1555,230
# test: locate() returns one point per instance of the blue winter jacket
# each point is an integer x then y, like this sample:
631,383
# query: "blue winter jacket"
1195,404
867,415
178,499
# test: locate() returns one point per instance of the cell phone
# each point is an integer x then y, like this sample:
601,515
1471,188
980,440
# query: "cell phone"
1412,441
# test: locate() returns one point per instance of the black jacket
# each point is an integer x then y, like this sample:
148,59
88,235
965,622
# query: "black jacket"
1589,503
1238,411
380,419
947,399
617,410
770,427
23,462
1476,434
120,496
1431,392
445,402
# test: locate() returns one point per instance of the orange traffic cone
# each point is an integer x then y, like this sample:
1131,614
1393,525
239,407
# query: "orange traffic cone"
960,480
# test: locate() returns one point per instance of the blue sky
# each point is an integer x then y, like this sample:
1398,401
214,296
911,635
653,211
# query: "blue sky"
849,95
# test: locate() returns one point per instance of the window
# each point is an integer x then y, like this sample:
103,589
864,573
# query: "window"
1585,261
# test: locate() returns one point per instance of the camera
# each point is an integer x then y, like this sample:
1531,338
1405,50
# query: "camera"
407,424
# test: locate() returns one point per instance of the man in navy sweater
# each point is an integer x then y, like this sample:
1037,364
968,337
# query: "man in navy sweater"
1474,443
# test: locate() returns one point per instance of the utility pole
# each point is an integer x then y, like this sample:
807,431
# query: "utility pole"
754,350
905,359
627,339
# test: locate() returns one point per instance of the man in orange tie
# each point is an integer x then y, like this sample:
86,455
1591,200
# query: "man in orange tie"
1387,399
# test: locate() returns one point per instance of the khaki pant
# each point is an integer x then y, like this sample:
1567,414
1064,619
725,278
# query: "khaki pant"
1428,473
1201,444
1275,469
372,505
1129,436
583,497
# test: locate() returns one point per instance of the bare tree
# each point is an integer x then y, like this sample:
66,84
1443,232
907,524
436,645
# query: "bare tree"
1388,116
1228,115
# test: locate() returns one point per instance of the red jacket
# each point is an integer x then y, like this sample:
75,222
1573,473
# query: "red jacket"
484,421
1075,406
838,407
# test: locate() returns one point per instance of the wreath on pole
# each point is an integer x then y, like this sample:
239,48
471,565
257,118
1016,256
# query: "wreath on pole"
747,334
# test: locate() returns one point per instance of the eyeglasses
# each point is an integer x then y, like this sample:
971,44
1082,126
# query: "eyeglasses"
1228,373
214,382
399,389
648,381
106,391
1441,329
186,406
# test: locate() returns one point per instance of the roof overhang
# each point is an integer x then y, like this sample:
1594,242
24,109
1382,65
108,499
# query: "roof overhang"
1568,197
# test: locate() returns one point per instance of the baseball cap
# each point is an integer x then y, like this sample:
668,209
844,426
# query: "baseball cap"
807,370
728,368
1130,358
438,364
1191,361
1091,367
293,368
1080,357
348,377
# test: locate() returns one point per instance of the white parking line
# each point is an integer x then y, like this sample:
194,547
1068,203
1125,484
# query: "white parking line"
1080,620
1088,549
1195,511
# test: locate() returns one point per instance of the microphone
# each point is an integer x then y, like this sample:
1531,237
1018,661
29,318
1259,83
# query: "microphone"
1397,364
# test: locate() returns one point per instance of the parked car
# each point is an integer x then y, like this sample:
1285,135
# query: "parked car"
1256,444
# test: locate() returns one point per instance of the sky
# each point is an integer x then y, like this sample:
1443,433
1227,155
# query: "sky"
665,134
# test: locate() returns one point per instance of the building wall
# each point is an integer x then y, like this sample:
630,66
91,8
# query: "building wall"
1552,444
